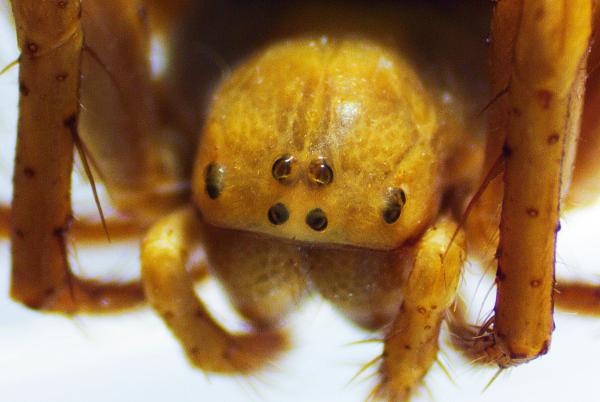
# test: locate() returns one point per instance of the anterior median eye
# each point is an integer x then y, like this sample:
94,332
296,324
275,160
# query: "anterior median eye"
394,202
278,214
317,219
284,169
319,172
214,178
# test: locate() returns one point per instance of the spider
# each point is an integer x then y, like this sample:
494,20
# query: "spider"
340,159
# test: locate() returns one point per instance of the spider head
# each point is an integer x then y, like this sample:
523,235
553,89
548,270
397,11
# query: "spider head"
323,141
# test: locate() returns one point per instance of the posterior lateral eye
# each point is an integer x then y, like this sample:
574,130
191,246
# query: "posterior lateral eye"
393,204
214,178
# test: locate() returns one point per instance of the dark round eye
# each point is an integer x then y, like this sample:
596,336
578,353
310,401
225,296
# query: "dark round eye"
278,214
283,168
319,172
317,219
394,202
214,178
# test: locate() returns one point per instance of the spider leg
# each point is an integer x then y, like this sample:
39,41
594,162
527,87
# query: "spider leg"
169,289
411,345
87,230
538,55
117,134
50,38
580,297
141,159
585,187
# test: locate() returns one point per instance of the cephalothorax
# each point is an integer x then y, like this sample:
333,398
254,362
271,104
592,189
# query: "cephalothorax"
335,135
340,156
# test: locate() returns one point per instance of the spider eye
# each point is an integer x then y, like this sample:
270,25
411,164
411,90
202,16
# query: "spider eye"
278,214
319,172
317,219
214,178
394,202
283,169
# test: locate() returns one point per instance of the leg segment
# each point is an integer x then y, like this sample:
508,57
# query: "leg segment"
86,231
48,108
573,296
412,342
586,176
484,221
577,297
169,289
544,97
50,39
136,155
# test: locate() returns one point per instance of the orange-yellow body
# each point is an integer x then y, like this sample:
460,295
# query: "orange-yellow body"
353,103
339,125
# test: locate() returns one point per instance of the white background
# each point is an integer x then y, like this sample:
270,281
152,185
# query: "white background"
132,357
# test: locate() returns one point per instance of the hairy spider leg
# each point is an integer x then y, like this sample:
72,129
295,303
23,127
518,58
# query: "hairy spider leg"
539,52
573,296
411,343
51,39
169,289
